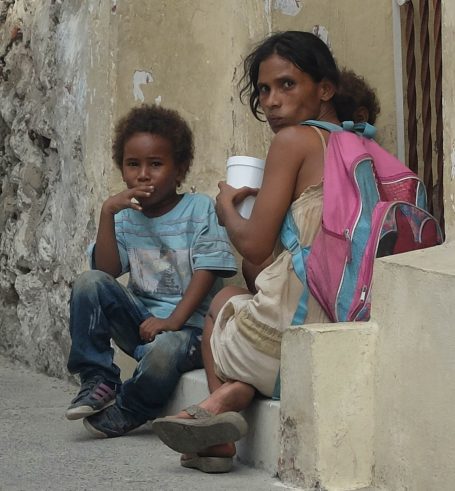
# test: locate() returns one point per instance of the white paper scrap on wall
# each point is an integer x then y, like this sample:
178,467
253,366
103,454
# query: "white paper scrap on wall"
322,33
288,7
140,77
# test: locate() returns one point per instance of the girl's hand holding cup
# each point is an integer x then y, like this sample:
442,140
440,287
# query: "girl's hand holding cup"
245,174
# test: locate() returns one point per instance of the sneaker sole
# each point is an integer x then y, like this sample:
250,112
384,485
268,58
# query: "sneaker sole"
84,411
93,431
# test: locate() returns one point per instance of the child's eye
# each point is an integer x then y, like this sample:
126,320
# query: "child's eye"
263,89
132,163
155,163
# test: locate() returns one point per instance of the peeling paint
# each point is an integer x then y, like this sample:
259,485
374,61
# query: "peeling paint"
452,163
322,33
140,77
288,7
268,14
158,100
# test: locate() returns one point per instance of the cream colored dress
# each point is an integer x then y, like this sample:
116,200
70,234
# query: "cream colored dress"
246,340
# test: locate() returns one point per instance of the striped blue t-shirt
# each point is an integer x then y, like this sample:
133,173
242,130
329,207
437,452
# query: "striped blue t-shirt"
161,253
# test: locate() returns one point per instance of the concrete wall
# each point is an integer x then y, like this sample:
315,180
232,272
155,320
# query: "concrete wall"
70,68
188,55
190,59
327,406
415,370
360,33
413,305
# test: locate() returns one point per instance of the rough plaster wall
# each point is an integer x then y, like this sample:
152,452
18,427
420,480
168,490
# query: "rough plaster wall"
415,397
46,201
187,55
57,98
360,35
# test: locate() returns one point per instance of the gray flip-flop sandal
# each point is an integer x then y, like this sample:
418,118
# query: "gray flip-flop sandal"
210,465
205,430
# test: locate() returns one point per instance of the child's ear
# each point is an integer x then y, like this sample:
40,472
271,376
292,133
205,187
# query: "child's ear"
327,90
180,176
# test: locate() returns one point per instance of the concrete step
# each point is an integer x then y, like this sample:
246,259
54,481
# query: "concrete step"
261,447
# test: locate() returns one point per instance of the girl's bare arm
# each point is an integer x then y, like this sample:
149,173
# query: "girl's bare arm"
255,238
250,271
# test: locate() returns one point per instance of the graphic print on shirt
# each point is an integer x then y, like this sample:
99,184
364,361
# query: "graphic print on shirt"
159,272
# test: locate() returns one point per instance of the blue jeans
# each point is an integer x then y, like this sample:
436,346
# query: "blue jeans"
100,309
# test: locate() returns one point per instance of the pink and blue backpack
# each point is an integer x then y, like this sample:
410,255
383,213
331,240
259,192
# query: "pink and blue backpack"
373,206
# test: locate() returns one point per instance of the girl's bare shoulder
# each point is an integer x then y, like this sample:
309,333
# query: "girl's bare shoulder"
297,137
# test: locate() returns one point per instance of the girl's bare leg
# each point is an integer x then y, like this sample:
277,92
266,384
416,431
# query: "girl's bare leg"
224,396
217,303
230,396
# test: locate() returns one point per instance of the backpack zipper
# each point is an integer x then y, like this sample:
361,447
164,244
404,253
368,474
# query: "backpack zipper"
347,237
363,294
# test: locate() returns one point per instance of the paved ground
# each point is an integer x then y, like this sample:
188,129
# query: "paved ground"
40,450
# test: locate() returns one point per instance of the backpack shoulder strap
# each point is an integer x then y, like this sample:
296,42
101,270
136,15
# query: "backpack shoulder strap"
324,125
364,129
290,239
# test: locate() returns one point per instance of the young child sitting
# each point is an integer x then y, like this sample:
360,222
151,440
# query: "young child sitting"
355,99
175,252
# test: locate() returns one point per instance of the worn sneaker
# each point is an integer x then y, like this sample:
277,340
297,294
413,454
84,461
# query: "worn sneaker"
113,421
94,396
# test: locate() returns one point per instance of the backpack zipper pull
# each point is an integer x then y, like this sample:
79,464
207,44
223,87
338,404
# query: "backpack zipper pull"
363,294
347,236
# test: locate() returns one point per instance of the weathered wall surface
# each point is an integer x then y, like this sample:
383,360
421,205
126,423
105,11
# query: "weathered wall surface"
413,306
74,67
415,371
188,57
48,193
360,33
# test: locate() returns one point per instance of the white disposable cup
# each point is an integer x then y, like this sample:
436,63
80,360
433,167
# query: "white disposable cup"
245,171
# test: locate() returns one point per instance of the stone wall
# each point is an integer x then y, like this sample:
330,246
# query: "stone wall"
47,197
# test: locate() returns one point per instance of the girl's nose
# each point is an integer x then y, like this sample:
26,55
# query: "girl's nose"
273,99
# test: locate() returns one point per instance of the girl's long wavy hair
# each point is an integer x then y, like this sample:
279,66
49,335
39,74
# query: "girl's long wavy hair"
305,50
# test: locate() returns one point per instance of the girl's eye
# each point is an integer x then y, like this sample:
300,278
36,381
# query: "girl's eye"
287,84
131,163
155,163
263,89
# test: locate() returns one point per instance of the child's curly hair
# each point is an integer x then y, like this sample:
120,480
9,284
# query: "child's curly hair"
156,120
353,93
